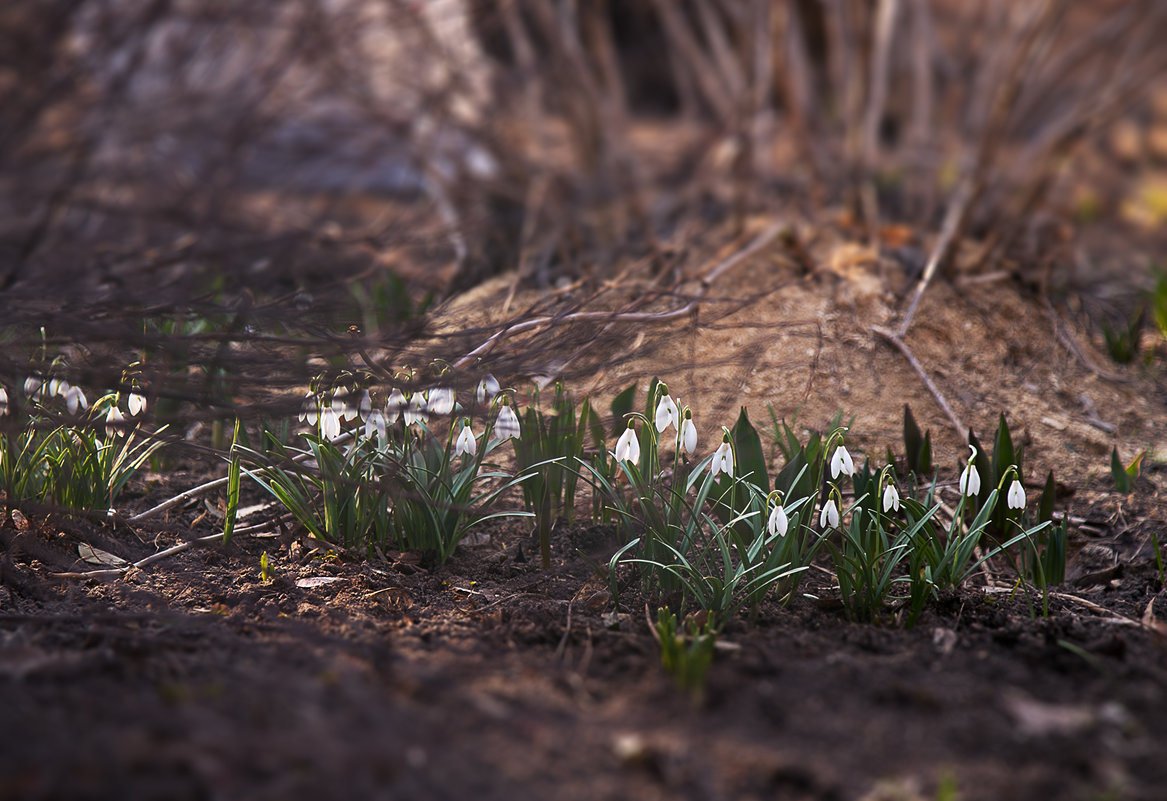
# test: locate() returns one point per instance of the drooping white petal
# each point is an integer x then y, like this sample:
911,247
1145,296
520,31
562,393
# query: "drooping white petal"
440,401
1016,496
506,426
723,460
136,403
970,480
666,413
778,522
31,385
346,406
416,412
3,401
829,516
628,447
488,387
841,463
395,405
113,421
891,498
689,436
75,399
375,426
466,443
329,423
365,407
309,409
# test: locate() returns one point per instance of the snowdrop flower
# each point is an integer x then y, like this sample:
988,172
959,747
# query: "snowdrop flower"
365,407
57,387
666,411
309,409
778,522
1016,496
113,421
891,498
329,422
507,424
31,385
3,401
440,401
628,446
723,458
466,443
841,463
136,403
348,409
375,425
415,412
395,405
829,516
688,433
74,399
487,388
970,479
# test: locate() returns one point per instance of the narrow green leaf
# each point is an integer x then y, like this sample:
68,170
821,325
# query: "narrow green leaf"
1003,453
1122,479
751,460
1045,507
913,441
1135,467
621,407
232,487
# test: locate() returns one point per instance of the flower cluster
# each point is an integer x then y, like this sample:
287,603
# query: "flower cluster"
330,410
669,413
38,389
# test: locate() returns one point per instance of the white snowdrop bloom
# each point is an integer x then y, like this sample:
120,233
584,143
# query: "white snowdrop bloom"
488,387
309,409
829,516
688,434
329,422
75,399
56,387
778,522
395,405
1016,496
416,411
348,409
136,403
891,498
375,426
506,426
841,463
365,407
113,421
466,443
440,401
723,459
31,385
628,446
3,401
970,481
666,413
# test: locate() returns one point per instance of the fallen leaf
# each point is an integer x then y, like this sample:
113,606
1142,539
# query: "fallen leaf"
315,581
96,556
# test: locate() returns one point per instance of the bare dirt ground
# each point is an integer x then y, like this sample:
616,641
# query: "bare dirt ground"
490,677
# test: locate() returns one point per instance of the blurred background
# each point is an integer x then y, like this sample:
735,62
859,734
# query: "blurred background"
221,184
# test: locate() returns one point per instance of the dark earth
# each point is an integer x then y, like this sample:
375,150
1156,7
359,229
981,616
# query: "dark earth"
490,677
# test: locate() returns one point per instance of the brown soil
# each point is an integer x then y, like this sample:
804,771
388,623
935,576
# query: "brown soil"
490,677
